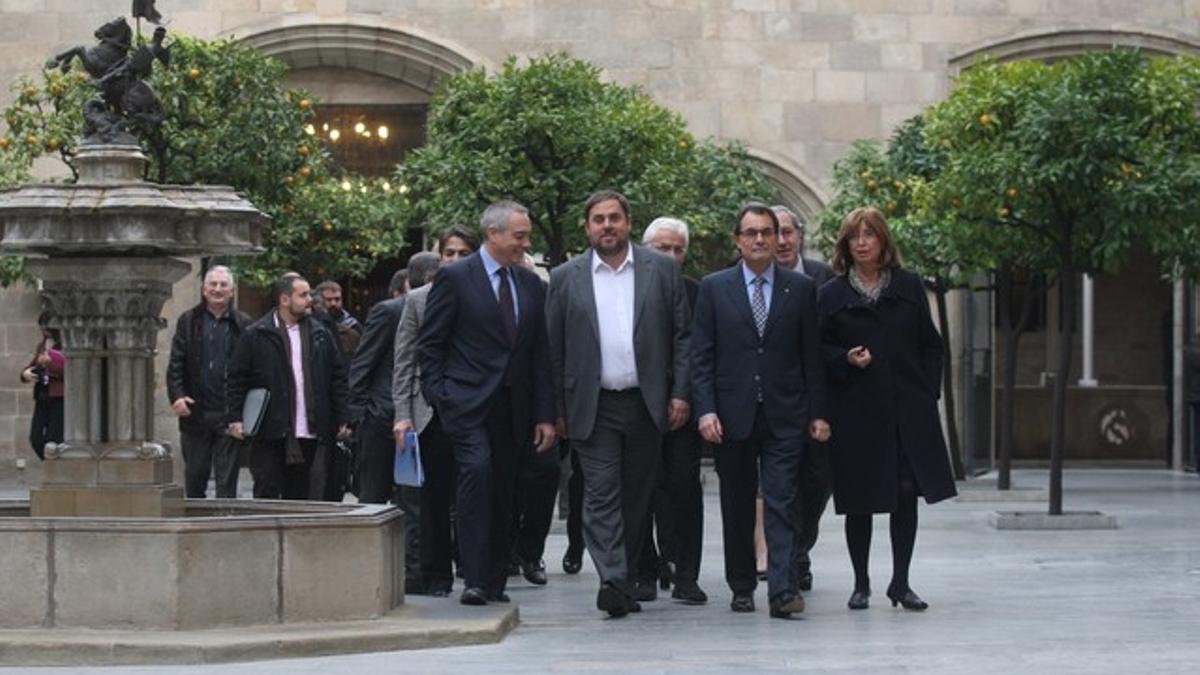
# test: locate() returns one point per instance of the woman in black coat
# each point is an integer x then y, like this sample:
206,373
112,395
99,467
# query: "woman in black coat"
884,361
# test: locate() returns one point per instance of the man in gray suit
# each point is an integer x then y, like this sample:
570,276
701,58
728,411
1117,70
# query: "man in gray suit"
618,323
816,475
413,413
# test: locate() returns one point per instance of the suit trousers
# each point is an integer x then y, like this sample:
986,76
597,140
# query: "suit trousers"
375,461
274,478
620,465
537,488
437,500
740,464
486,479
815,484
678,508
209,450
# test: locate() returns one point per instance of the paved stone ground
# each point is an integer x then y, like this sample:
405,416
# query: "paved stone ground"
1125,600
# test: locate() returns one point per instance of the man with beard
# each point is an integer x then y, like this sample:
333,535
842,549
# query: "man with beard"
297,360
618,324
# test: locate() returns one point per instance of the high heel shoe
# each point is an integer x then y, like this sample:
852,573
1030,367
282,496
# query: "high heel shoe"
859,599
907,599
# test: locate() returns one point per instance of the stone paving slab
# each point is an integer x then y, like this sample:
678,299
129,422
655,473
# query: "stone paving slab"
420,624
1001,601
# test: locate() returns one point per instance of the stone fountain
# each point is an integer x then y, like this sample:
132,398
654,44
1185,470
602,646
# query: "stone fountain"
107,542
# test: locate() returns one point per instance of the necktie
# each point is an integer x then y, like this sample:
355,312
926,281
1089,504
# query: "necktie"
508,313
759,305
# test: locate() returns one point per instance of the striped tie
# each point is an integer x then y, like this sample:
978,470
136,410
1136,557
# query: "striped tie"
759,306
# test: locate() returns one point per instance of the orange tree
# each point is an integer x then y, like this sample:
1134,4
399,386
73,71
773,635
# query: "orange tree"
1085,157
228,120
551,132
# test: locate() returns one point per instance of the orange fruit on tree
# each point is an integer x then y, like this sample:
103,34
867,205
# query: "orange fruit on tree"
985,119
305,171
194,74
1011,192
305,103
4,143
303,150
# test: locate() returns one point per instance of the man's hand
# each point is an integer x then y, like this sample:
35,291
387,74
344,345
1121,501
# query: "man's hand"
677,413
819,430
710,428
399,429
859,357
543,436
344,432
235,430
28,375
180,406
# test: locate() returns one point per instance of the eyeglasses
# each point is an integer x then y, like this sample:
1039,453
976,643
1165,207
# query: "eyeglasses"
865,234
750,235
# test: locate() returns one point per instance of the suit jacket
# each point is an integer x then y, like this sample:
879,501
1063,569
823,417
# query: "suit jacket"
661,321
407,399
371,367
730,362
465,356
818,271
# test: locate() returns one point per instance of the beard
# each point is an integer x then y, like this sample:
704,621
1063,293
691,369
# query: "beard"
612,249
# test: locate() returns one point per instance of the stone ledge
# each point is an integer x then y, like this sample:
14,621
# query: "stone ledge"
982,494
1040,520
424,623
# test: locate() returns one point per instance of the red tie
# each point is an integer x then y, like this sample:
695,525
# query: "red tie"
508,313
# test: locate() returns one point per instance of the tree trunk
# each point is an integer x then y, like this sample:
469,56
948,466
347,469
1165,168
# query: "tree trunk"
956,456
1062,372
1012,342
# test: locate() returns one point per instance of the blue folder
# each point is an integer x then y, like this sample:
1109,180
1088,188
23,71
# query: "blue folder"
407,469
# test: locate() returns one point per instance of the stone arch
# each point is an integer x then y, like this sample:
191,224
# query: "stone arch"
369,44
1055,45
797,189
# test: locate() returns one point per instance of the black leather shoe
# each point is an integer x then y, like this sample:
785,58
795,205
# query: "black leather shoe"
786,604
498,597
689,592
859,599
439,592
473,596
804,581
610,599
742,602
634,606
666,574
645,591
534,572
572,561
907,599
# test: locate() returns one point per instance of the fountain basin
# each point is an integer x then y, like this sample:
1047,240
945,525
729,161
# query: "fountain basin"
225,563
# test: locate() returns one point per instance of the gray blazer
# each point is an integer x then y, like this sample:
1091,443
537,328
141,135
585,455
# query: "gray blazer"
661,324
406,376
818,271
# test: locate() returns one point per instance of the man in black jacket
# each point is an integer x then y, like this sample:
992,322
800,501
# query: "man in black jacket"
298,361
203,344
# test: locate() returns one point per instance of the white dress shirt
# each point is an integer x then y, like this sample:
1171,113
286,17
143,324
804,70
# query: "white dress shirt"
613,289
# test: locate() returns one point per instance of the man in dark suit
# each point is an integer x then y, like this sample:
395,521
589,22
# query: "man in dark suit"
816,474
618,324
759,386
477,350
678,505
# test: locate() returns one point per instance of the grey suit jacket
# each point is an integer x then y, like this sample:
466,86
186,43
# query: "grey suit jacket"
661,324
816,270
406,376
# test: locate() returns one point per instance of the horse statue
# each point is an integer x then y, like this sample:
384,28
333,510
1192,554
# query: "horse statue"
127,104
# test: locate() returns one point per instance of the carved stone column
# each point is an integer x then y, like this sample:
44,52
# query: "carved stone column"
109,463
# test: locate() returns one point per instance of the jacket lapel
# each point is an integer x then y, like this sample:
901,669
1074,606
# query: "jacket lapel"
737,291
780,293
483,288
586,291
643,272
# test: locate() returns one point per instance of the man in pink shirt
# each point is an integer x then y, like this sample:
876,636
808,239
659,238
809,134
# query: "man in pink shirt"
298,361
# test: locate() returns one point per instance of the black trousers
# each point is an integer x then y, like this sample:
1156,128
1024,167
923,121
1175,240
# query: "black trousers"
486,479
375,460
533,510
206,450
274,478
740,464
46,425
677,509
620,464
436,505
574,503
815,484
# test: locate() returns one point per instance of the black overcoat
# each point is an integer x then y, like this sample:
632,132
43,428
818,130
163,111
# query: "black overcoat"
890,403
